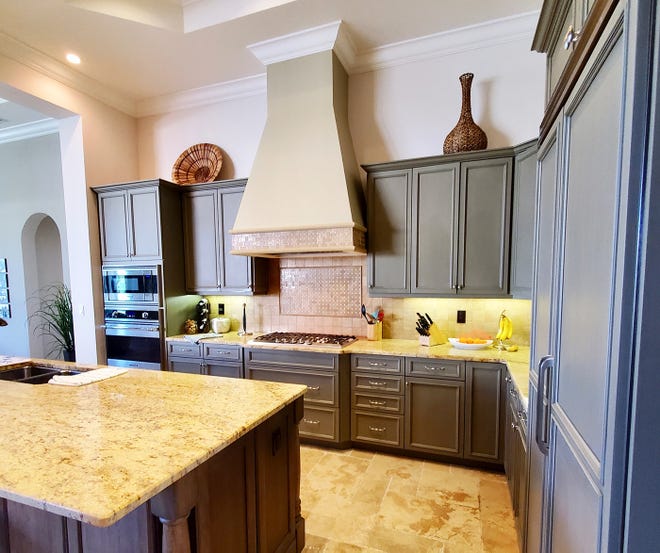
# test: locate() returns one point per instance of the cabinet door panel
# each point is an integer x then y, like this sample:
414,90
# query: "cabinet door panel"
485,225
229,370
389,240
145,223
484,410
434,416
434,231
235,268
114,218
200,215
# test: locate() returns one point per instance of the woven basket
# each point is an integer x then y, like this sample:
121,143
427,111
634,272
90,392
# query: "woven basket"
199,163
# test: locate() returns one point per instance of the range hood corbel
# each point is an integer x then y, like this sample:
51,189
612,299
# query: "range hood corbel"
304,195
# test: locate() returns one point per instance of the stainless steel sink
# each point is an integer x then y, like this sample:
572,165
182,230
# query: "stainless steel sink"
33,374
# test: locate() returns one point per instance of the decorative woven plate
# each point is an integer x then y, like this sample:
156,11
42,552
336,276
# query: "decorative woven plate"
199,163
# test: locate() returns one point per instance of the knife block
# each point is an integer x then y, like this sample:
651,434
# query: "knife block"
435,337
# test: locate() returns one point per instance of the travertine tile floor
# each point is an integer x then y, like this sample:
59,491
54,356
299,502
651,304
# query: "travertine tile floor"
359,501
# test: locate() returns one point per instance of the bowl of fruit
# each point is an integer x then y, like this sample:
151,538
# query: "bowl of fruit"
470,343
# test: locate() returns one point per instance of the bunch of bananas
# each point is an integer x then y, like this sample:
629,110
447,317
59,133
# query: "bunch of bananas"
506,328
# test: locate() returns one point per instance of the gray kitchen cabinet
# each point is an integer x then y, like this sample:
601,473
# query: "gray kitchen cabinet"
515,460
440,226
434,409
522,220
205,358
484,412
130,219
587,264
327,400
377,400
209,212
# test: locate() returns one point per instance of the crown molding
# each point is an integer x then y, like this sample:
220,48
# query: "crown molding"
220,92
29,130
60,72
483,35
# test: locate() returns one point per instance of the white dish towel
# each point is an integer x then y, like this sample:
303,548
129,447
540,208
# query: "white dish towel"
85,377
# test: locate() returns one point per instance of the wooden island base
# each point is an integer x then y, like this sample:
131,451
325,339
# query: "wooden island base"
246,498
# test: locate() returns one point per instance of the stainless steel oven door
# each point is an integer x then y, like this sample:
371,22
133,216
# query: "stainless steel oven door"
133,345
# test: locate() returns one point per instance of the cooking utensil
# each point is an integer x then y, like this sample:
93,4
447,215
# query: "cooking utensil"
366,315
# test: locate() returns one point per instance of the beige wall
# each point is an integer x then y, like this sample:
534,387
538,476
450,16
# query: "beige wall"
108,139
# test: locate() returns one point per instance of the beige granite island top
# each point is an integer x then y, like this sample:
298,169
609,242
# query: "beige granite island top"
94,453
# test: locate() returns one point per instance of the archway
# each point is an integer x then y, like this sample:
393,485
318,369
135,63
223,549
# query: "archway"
41,246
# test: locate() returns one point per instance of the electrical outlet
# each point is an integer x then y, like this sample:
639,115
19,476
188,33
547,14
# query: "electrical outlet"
221,309
460,316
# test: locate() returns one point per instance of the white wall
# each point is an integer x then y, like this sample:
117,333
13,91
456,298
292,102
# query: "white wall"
394,113
98,146
29,191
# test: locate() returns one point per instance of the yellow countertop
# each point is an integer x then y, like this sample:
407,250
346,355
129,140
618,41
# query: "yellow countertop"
517,362
95,452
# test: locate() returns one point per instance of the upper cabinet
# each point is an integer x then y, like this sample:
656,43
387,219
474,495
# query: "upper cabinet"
440,226
209,212
130,219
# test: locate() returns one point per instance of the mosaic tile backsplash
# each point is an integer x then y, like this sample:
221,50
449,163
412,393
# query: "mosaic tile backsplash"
322,294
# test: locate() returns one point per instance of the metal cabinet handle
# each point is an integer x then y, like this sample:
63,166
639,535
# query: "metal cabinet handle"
432,368
311,421
376,364
313,388
572,36
546,364
377,428
377,383
379,403
514,426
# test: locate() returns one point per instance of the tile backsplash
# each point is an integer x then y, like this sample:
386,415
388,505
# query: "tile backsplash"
324,294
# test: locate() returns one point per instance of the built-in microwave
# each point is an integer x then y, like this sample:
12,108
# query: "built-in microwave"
127,285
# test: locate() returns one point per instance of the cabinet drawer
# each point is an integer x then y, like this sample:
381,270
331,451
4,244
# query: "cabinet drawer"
442,368
293,359
184,365
376,402
558,55
377,429
224,352
377,363
318,422
377,382
231,370
321,387
185,349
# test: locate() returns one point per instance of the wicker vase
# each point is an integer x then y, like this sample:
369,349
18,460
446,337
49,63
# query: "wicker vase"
466,135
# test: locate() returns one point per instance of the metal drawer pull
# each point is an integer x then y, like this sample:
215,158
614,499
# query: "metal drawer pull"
310,421
376,364
379,403
571,37
432,368
313,388
514,426
377,383
377,428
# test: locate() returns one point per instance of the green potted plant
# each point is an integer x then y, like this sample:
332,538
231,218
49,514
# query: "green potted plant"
54,319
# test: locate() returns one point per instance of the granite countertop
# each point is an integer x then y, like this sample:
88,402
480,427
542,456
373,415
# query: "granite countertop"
517,362
94,453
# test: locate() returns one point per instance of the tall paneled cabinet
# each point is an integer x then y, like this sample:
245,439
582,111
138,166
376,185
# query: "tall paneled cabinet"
588,232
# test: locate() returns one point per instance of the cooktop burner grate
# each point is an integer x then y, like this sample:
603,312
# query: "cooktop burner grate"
305,339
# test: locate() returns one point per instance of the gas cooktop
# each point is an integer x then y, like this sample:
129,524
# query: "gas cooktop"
304,339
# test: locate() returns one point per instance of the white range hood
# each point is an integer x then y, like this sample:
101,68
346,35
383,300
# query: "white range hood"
303,196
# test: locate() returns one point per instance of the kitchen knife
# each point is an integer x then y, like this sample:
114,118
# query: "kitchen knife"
429,318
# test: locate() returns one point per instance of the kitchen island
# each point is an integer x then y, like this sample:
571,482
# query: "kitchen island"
150,461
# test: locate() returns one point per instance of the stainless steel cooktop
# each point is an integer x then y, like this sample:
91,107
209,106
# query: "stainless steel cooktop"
304,339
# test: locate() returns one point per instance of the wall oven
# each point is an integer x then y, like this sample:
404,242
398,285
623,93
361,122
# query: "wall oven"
129,285
133,336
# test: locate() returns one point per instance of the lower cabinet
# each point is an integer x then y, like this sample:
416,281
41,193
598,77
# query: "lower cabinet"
210,359
327,408
435,406
515,458
377,400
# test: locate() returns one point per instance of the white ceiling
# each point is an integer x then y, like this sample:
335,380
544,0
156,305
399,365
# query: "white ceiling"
142,49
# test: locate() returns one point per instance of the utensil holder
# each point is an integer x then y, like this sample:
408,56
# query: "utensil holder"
375,331
436,337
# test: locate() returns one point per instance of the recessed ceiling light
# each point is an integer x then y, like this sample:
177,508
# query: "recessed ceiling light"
73,58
